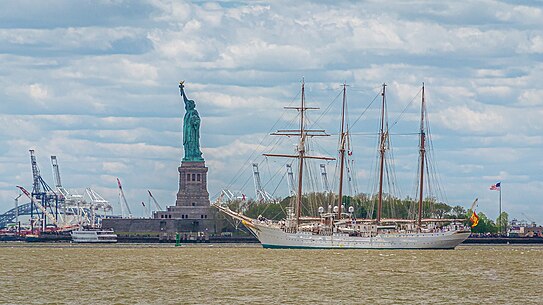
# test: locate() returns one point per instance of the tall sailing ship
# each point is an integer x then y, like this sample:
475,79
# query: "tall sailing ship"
335,228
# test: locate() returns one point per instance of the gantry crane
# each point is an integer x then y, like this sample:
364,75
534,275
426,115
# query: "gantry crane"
17,211
261,194
290,181
158,207
324,179
47,196
122,201
41,208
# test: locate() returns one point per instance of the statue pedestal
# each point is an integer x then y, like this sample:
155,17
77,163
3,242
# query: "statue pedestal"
192,185
192,208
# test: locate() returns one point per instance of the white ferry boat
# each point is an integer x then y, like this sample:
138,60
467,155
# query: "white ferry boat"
94,236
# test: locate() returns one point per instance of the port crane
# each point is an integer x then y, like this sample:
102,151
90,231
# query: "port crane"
529,219
70,203
85,208
41,208
157,206
261,194
17,209
65,194
290,181
324,179
233,195
47,196
67,207
122,201
97,203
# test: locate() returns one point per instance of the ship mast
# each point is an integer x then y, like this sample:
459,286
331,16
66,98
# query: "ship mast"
343,136
303,133
382,149
301,153
422,157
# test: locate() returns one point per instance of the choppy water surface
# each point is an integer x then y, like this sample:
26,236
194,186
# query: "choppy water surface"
219,274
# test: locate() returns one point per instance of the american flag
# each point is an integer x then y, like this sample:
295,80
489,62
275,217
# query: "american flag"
495,187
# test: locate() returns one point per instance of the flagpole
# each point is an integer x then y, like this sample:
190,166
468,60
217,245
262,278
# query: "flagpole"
500,216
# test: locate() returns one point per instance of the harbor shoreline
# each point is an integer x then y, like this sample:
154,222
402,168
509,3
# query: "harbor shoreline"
247,240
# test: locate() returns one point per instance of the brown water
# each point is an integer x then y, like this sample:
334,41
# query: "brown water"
247,274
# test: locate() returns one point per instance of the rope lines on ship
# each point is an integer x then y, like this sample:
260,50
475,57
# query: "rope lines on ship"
432,183
412,209
323,113
353,185
275,142
390,190
261,147
310,183
241,170
405,109
364,112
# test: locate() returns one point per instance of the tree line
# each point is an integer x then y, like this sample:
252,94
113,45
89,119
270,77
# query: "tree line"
365,206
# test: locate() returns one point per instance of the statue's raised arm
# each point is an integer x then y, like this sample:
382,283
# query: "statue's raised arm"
182,91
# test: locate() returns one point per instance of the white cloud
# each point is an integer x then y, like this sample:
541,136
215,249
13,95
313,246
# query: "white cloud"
114,167
533,45
68,39
464,119
38,91
110,68
171,11
494,90
531,97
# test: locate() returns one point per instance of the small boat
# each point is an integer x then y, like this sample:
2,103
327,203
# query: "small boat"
94,236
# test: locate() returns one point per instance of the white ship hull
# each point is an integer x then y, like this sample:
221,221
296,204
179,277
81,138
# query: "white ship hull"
94,236
273,237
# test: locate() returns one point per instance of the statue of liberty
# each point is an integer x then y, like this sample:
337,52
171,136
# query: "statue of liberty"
191,129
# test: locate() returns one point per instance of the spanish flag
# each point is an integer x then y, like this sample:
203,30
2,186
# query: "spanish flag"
474,219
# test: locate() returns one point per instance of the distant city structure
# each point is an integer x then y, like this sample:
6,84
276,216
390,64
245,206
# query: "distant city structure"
524,229
54,208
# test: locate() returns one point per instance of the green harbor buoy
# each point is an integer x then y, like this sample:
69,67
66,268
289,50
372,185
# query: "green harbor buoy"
177,239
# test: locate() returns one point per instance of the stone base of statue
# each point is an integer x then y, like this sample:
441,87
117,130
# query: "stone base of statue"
192,204
192,185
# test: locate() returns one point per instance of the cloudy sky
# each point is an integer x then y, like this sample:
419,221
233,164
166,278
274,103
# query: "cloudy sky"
95,83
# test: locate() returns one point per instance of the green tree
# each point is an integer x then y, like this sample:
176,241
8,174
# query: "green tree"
458,212
365,206
502,222
441,209
485,225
